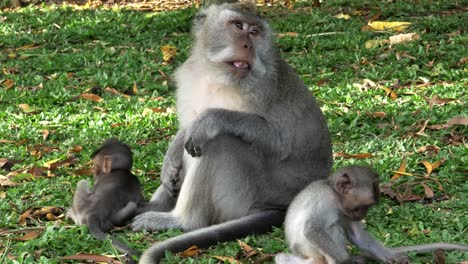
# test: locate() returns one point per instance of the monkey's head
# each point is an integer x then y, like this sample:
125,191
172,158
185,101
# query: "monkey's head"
234,41
357,188
113,155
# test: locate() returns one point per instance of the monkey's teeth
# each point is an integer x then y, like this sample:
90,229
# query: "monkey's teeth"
241,64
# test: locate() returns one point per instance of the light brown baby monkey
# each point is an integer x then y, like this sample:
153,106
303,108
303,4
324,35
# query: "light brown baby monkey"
328,212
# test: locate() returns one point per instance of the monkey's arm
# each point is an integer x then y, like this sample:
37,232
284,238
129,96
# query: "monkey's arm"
363,240
318,234
172,164
251,128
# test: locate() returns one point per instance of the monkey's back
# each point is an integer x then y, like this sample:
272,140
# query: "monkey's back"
313,208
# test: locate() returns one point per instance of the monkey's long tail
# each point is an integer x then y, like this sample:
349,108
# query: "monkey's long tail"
430,247
98,234
258,223
415,248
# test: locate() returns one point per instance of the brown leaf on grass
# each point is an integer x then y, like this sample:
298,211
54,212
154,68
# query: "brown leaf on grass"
115,92
65,163
423,128
38,171
38,150
403,38
135,88
168,52
388,26
432,166
90,97
428,150
390,93
6,182
45,134
83,171
47,213
353,156
409,196
7,164
435,100
147,111
231,260
29,235
76,149
247,251
27,109
91,257
454,121
287,34
6,141
401,171
455,138
342,16
7,84
190,252
378,114
428,192
70,75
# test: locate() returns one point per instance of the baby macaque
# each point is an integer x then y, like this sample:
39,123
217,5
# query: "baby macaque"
328,212
113,199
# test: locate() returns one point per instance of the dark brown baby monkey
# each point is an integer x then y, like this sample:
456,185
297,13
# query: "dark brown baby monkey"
328,212
113,199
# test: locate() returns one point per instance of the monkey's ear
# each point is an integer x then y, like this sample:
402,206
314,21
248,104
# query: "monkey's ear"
344,184
107,164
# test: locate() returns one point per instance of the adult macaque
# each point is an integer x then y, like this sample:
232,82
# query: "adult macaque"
328,212
251,136
113,199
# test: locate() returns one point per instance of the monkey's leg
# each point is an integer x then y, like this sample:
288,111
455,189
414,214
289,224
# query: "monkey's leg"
124,214
155,221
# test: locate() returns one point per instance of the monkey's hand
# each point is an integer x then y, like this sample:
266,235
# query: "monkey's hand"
170,176
198,134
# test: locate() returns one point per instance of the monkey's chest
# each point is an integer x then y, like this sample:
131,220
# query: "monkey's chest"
193,101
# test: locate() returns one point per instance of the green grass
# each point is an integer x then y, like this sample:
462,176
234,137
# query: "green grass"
53,54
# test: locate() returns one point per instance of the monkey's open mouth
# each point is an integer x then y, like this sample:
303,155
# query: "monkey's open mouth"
241,64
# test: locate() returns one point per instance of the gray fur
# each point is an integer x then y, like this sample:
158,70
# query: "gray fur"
251,143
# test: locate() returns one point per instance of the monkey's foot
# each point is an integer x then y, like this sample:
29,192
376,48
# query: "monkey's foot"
155,221
291,259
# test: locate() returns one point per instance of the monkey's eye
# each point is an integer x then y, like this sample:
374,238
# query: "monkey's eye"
253,32
238,24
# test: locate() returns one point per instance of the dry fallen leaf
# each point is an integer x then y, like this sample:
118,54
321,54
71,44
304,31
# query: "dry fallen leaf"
115,92
428,192
135,88
390,93
168,52
428,150
343,16
29,235
247,251
190,252
287,34
45,134
231,260
401,171
403,38
91,97
5,182
92,257
389,26
7,84
454,121
353,156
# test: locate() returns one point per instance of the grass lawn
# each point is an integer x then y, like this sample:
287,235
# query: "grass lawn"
70,78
